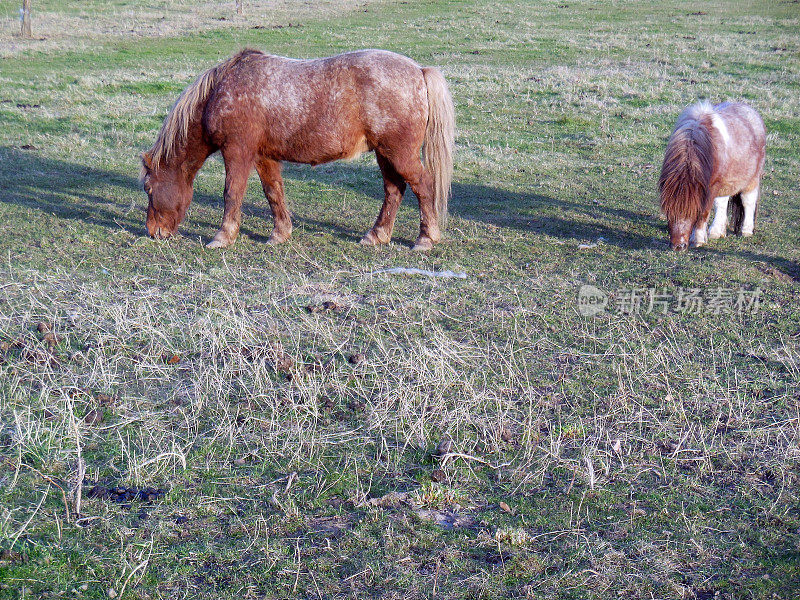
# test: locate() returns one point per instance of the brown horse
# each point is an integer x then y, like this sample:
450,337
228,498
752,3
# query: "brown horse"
259,110
716,153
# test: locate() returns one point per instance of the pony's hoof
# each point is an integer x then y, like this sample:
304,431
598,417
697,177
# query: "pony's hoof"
375,237
747,234
423,244
276,238
715,235
369,240
218,243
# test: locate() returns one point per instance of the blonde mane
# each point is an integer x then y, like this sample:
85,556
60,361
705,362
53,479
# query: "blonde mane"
173,133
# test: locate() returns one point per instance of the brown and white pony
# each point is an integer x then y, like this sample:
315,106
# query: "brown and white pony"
259,110
715,154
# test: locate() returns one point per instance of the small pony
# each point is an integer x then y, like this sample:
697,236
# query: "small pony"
715,154
260,110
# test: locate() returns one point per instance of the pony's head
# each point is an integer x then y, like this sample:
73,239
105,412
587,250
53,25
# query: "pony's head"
680,231
684,182
169,195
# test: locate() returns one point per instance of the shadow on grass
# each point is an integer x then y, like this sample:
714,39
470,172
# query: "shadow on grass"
91,195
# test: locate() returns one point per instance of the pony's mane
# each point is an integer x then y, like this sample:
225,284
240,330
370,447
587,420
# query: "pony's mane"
175,129
688,165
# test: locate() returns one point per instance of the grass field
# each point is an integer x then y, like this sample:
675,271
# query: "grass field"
309,427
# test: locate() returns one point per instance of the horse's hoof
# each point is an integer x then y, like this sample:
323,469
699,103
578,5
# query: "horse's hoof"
217,243
370,239
747,234
423,244
275,239
715,235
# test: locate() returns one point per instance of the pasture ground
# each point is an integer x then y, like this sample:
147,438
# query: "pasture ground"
651,453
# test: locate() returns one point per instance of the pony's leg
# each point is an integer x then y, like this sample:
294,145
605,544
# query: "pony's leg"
269,171
237,170
429,232
393,186
750,203
421,182
720,223
699,236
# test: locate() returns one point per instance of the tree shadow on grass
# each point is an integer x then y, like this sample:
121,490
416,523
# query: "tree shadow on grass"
94,196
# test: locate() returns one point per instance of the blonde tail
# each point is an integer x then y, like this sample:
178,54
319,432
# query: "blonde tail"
439,139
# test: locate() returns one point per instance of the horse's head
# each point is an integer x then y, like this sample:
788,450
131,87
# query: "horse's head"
169,195
680,231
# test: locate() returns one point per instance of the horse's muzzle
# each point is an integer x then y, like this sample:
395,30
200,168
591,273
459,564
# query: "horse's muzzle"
159,233
679,247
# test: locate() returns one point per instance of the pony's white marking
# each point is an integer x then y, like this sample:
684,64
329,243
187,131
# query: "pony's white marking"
699,236
720,223
749,201
719,125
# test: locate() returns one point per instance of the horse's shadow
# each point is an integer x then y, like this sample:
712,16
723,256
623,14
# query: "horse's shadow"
102,198
527,212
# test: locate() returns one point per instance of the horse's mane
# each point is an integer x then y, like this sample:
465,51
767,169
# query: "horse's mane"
688,165
175,129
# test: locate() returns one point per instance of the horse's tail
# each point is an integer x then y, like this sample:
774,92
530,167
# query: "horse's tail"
175,130
439,139
737,213
688,166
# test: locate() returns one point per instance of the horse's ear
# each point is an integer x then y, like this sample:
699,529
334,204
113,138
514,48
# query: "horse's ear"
147,160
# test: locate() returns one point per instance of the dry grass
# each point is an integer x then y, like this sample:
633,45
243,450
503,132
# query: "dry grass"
414,437
96,24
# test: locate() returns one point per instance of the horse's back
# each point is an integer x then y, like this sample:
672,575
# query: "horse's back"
743,135
322,109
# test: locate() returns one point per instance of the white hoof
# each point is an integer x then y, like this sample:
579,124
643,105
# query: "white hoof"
715,234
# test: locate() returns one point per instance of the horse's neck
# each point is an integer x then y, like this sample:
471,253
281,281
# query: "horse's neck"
187,161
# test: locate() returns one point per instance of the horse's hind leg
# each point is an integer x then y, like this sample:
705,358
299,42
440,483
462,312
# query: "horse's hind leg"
719,225
237,169
421,183
393,186
269,171
750,204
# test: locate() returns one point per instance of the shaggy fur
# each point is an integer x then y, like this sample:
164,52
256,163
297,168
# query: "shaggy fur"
174,130
714,152
260,110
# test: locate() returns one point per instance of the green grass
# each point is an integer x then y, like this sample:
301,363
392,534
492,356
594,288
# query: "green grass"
640,456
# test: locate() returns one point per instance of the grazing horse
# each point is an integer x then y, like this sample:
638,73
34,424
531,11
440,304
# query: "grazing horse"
715,154
259,110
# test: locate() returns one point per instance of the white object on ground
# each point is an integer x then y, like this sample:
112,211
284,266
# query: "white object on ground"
599,241
415,271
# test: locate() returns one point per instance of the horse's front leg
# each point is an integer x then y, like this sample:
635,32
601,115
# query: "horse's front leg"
393,188
699,236
749,203
237,169
719,225
269,171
